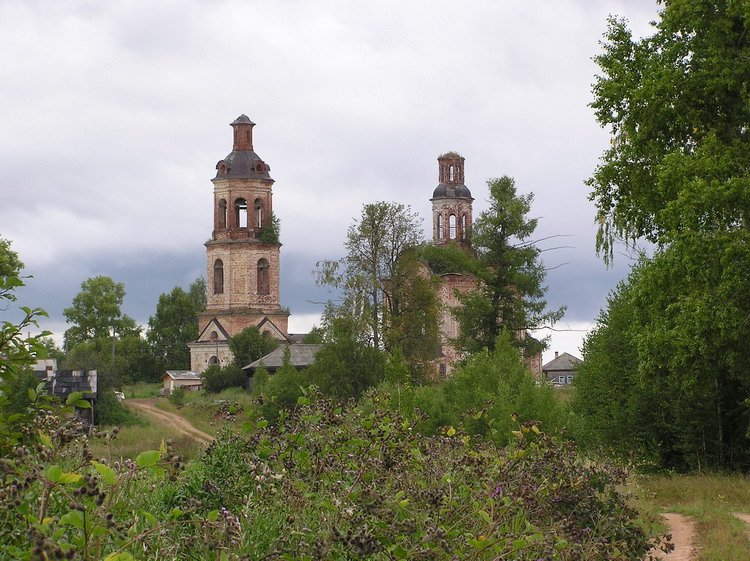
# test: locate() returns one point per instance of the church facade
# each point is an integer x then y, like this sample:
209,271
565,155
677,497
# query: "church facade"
242,256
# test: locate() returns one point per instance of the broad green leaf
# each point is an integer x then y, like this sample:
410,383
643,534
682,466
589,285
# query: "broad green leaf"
72,398
107,473
73,518
451,431
53,473
175,513
213,516
82,404
46,440
69,477
32,394
147,459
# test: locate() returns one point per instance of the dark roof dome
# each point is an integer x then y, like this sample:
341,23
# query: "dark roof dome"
444,191
242,119
243,163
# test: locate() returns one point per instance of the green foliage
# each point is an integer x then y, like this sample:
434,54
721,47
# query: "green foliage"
217,378
413,316
345,367
677,106
111,412
96,312
177,397
494,386
511,294
315,336
374,244
271,233
250,344
332,482
449,258
665,372
198,292
171,328
18,353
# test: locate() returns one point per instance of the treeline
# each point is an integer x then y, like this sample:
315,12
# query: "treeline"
666,373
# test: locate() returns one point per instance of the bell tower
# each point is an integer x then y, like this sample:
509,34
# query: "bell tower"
451,203
242,255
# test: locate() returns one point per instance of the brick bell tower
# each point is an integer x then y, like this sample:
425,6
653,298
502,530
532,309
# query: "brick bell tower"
451,203
242,255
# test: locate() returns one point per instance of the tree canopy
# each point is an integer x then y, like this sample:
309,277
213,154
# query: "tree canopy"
96,312
249,345
374,244
678,108
511,295
171,328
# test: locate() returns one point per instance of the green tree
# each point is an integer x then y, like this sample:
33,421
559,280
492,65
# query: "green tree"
250,344
345,366
413,315
373,244
217,378
96,312
678,106
171,328
511,292
271,233
198,294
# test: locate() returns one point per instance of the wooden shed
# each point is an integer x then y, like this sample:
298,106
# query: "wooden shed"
186,379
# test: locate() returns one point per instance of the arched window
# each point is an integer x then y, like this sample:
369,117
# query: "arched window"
240,209
213,360
263,284
218,277
464,231
440,227
222,218
452,226
450,173
258,207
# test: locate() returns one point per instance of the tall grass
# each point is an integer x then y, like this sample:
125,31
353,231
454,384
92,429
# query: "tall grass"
132,440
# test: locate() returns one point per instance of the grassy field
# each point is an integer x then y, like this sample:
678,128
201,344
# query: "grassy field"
204,411
134,439
711,499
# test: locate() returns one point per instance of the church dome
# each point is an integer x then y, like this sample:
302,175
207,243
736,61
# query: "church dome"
242,162
444,191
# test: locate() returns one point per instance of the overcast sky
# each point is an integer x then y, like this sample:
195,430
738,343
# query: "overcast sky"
114,114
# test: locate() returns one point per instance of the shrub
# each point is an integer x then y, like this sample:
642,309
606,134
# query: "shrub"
177,397
110,411
493,386
333,482
217,378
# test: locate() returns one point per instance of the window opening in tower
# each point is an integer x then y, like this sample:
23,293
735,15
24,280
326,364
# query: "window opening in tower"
240,206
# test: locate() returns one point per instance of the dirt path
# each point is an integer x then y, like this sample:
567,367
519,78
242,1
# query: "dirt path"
148,407
745,518
682,529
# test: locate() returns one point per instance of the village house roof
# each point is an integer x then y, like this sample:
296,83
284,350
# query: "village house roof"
182,375
562,363
300,356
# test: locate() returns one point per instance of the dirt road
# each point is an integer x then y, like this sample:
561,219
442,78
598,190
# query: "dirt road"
682,529
148,407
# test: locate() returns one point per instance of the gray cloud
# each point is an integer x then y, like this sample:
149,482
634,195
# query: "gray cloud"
114,115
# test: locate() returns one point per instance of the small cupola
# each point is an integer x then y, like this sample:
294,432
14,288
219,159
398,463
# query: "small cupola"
243,133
